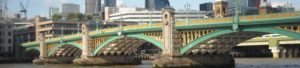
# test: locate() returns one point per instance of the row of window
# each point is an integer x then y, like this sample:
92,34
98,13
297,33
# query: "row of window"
201,17
192,13
59,32
4,26
61,25
3,41
7,49
2,33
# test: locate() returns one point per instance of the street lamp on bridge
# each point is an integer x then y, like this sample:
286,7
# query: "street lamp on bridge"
187,8
62,34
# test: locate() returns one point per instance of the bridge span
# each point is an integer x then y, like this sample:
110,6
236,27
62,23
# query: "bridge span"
193,43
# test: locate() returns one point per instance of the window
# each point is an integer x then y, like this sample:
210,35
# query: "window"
9,49
9,41
9,27
9,33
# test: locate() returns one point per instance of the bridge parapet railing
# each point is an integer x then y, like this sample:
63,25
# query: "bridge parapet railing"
130,27
270,16
205,21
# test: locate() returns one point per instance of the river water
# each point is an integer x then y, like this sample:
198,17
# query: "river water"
240,63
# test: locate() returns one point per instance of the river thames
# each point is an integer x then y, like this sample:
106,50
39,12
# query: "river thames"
240,63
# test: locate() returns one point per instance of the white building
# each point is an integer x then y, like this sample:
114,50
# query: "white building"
283,6
143,16
68,8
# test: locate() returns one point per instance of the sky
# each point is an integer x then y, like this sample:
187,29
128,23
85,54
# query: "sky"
41,7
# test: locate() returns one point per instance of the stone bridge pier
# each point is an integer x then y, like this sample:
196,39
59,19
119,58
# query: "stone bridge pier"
171,56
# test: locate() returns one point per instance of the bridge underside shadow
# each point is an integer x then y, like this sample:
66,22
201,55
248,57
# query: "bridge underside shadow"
64,54
211,52
31,54
121,51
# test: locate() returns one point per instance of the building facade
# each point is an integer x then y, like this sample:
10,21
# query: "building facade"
139,15
6,37
220,8
92,6
110,3
68,8
206,7
283,7
52,28
246,7
156,4
23,32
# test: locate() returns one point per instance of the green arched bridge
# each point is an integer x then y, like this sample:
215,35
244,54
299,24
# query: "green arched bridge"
176,39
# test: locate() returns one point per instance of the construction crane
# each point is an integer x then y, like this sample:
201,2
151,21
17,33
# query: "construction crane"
4,8
23,8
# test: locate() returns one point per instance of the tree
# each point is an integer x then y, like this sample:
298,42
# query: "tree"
56,17
73,16
89,17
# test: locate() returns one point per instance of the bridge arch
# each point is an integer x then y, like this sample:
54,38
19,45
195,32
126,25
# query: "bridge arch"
31,53
291,34
64,44
138,36
32,48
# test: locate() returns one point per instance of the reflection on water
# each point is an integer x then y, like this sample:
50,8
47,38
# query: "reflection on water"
240,63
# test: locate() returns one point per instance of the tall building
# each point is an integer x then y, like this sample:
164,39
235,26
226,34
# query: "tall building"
206,7
53,11
246,6
68,8
92,6
110,3
156,4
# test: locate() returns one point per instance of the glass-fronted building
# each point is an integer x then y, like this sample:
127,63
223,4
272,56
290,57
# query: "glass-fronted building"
156,4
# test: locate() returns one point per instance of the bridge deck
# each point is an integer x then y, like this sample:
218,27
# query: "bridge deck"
275,18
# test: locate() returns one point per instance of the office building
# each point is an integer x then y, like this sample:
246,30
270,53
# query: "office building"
55,28
68,8
110,3
92,6
156,4
206,7
139,15
247,7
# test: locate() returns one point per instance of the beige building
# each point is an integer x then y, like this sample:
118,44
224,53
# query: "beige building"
54,28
